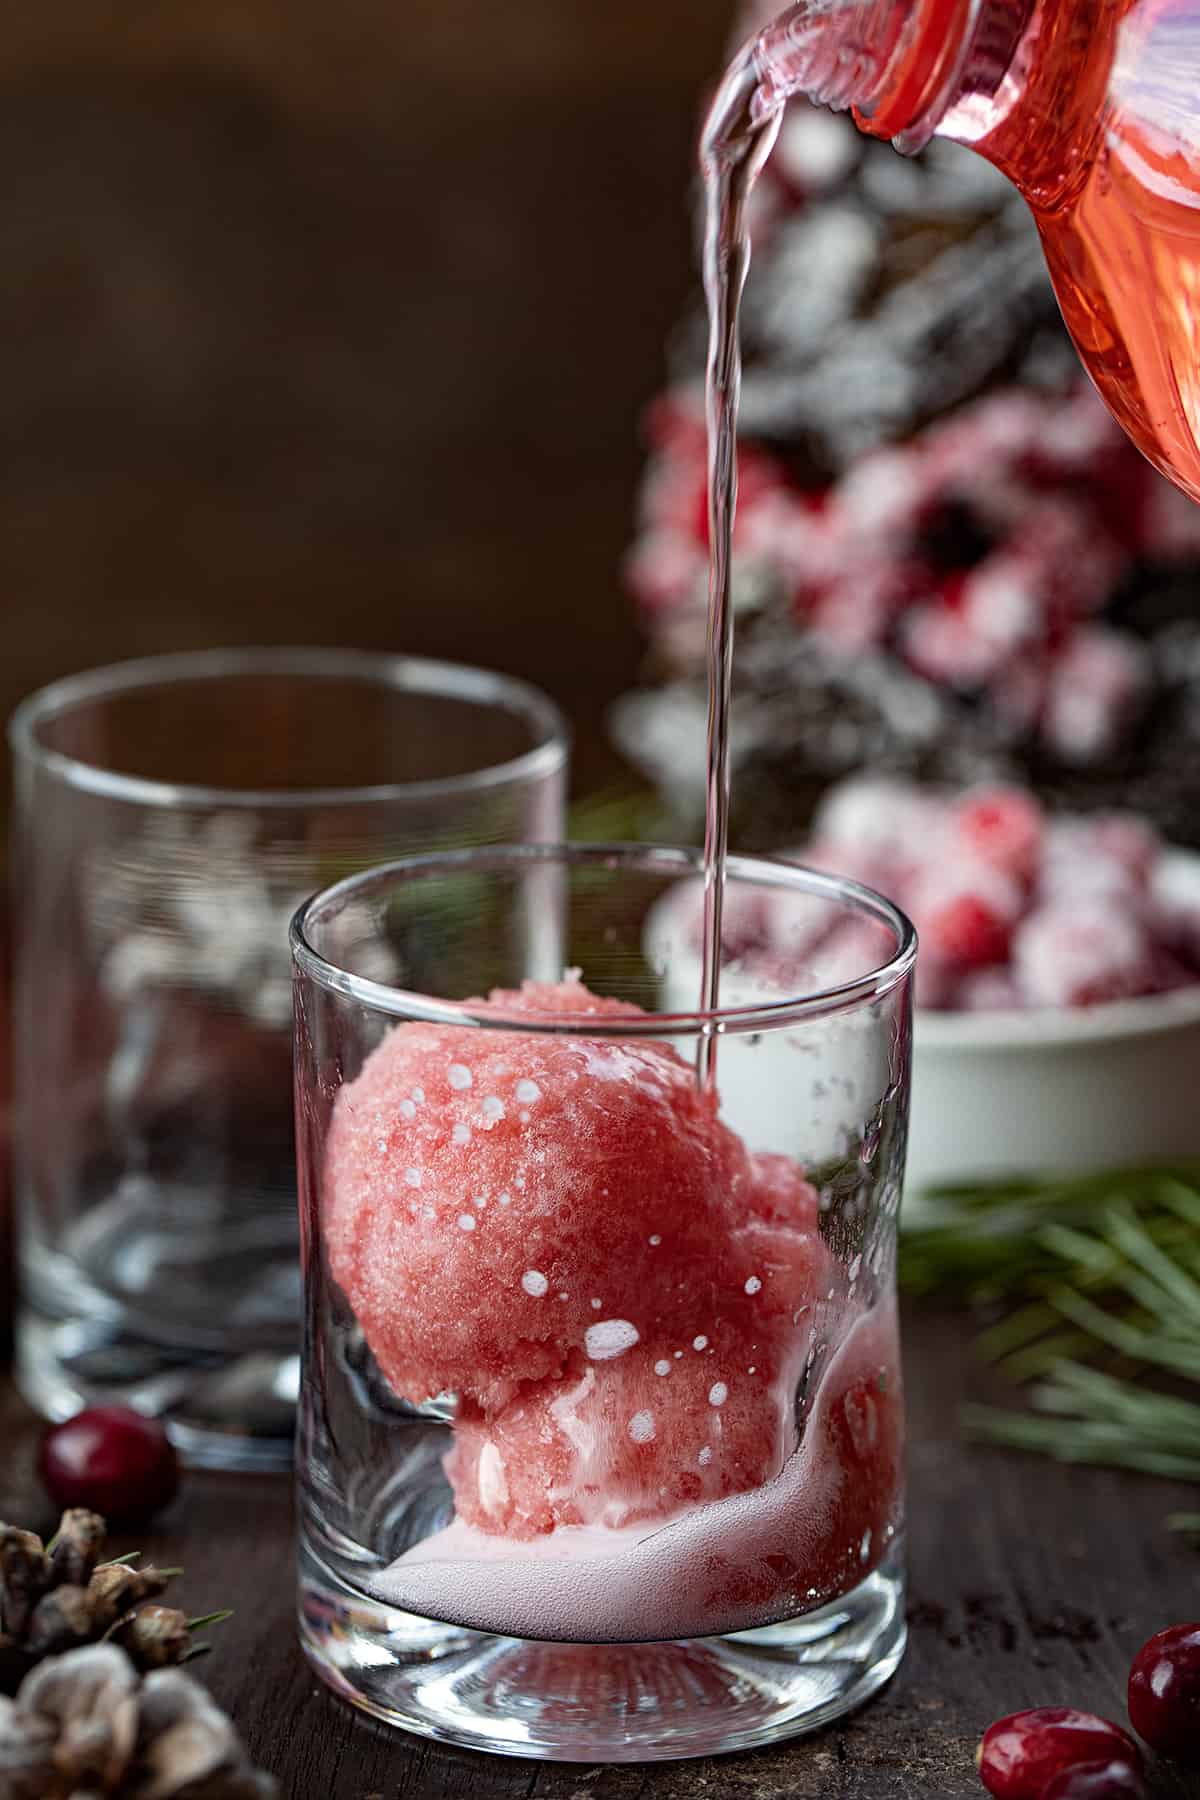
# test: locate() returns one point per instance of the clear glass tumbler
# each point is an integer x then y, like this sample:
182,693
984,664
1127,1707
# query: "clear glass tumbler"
600,1452
171,815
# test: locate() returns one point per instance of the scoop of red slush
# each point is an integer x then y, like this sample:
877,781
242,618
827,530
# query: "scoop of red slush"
562,1231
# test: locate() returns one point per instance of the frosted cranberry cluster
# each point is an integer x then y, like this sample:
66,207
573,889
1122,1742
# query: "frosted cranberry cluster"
1014,908
981,555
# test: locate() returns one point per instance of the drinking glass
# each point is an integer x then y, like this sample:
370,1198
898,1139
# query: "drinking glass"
170,816
600,1437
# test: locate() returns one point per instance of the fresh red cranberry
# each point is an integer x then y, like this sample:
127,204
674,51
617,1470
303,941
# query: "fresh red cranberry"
116,1461
1116,1780
1021,1755
1164,1693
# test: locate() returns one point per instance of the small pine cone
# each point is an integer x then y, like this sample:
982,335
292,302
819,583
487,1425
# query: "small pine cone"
154,1637
70,1615
115,1588
77,1546
26,1755
54,1600
84,1724
188,1749
64,1617
72,1728
24,1577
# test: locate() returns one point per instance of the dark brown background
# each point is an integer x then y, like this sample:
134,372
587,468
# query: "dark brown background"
330,321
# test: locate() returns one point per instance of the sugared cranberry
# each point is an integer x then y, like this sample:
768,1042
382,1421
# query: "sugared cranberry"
1116,1780
1021,1755
1129,840
872,815
965,912
1164,1693
1082,953
966,929
1003,826
945,648
1096,690
116,1461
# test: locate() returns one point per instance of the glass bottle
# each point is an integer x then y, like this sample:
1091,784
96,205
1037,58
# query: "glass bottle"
1090,108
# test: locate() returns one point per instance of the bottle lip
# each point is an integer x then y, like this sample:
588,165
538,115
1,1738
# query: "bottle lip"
924,76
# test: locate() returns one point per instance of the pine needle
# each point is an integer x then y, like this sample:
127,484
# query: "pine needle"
1100,1280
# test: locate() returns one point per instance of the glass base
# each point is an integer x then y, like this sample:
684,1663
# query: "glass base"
178,1300
606,1703
232,1412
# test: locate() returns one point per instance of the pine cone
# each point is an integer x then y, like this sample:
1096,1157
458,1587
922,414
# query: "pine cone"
86,1726
54,1599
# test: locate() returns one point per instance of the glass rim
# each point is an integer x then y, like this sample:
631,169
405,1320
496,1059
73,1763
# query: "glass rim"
426,676
666,860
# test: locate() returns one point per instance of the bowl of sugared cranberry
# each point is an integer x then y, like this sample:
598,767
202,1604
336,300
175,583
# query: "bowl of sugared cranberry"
1058,982
1057,1024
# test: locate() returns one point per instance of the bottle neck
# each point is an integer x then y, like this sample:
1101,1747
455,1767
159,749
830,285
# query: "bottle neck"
957,70
1040,123
902,66
1012,78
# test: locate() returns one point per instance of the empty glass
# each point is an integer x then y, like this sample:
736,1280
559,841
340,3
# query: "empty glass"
171,814
600,1446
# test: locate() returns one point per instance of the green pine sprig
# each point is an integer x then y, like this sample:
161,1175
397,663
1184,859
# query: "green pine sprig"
1100,1279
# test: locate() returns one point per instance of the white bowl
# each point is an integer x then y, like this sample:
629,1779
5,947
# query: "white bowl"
1058,1091
998,1094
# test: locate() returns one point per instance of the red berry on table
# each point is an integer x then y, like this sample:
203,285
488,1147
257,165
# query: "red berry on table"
112,1460
1164,1693
1022,1754
1116,1780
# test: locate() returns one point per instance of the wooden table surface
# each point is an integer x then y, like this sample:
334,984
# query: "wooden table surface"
1031,1584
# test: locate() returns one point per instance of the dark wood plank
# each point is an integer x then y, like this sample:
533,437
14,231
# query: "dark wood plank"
1030,1585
